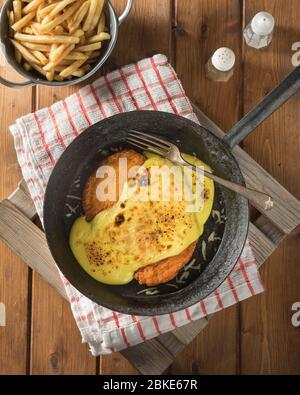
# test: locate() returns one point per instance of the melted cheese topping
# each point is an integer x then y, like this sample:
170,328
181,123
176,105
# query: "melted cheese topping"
134,233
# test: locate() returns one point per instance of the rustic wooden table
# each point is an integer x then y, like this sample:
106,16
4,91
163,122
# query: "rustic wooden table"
40,336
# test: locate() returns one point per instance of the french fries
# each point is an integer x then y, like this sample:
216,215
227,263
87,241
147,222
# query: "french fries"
45,39
75,56
101,24
89,19
38,47
32,6
17,11
47,27
27,30
77,73
50,75
51,65
23,22
17,8
59,7
98,38
98,12
78,17
90,47
25,52
41,57
72,68
59,39
42,13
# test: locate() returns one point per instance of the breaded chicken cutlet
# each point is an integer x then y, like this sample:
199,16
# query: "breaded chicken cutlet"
91,204
156,273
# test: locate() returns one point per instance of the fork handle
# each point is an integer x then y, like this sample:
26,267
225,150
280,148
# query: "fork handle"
259,199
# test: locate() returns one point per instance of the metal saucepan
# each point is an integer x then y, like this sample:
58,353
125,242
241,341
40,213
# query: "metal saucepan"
33,77
229,221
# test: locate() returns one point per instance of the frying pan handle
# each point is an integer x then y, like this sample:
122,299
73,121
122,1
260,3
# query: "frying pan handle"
277,97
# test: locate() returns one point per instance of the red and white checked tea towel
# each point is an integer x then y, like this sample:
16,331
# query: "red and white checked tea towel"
41,138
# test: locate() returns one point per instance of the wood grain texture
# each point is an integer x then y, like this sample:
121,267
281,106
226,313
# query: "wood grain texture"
29,242
19,198
13,274
269,343
146,32
56,346
262,246
155,356
201,29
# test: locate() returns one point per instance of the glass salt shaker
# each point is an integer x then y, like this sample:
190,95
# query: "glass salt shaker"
221,65
259,32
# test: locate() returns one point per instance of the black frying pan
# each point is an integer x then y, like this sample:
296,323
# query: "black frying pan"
213,260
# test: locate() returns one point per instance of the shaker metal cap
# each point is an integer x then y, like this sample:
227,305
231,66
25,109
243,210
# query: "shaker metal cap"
223,59
263,23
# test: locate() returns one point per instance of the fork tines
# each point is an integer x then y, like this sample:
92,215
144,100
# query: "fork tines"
149,142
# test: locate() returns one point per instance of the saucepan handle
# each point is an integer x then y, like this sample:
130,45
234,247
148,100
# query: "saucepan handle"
126,12
275,99
11,84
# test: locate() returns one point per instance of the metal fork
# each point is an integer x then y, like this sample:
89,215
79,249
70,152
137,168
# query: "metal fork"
170,151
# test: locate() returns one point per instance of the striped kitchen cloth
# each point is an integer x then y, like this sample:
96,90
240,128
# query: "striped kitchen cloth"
40,139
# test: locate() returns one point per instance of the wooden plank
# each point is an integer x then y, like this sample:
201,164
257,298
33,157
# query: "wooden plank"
146,32
213,351
14,335
269,229
19,198
155,353
116,364
61,351
262,246
149,357
187,333
201,28
269,343
13,274
29,242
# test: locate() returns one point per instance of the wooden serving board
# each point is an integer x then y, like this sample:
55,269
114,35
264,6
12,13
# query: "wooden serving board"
18,230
